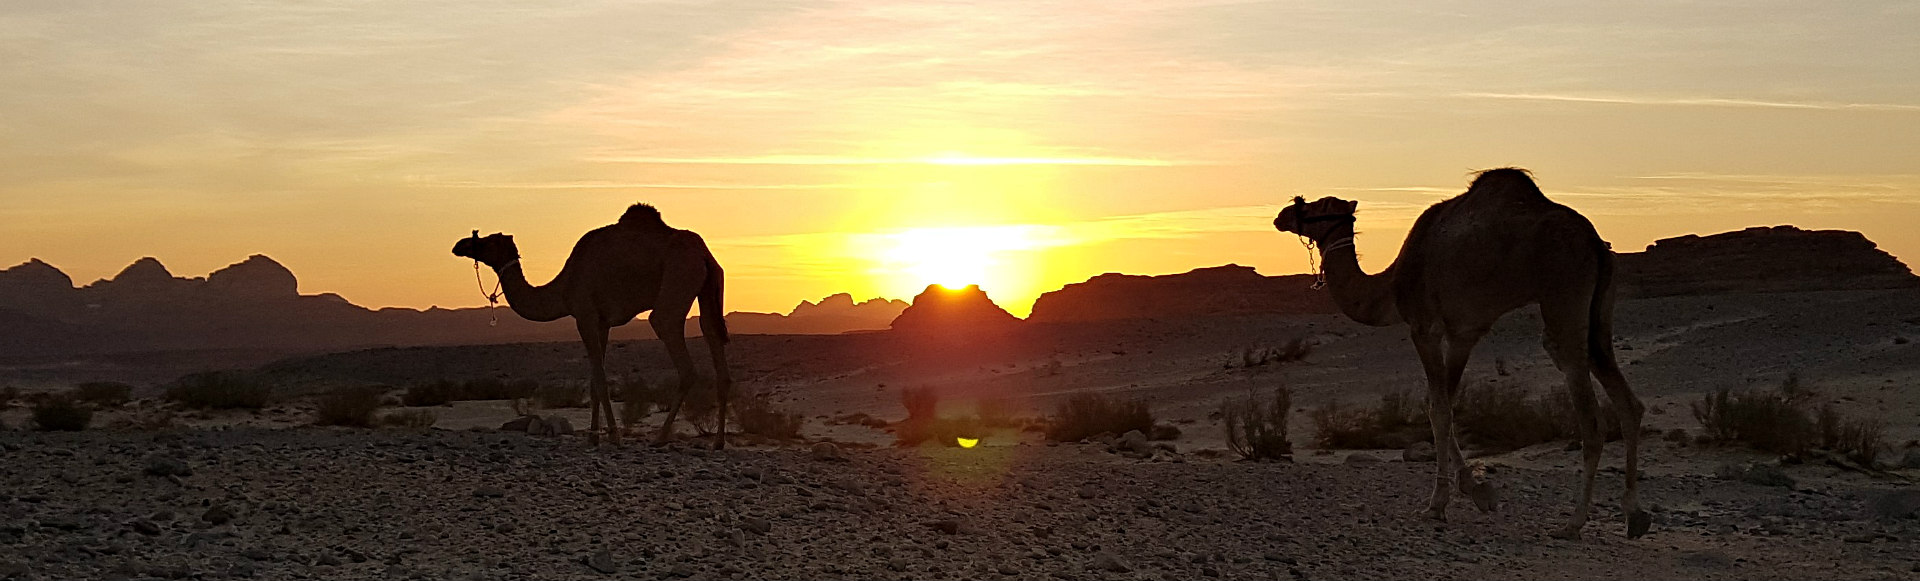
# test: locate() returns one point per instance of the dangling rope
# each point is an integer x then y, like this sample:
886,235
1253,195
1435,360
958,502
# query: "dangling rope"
493,298
1313,262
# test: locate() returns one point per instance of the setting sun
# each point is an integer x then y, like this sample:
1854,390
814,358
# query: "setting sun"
955,257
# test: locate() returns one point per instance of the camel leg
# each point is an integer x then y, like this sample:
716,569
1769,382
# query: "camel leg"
1566,342
594,335
1630,409
722,380
1459,348
671,328
1440,415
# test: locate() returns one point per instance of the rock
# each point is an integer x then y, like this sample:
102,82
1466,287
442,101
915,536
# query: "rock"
1679,436
159,464
1895,504
1418,452
489,491
1911,459
559,426
217,515
1106,561
1132,442
1359,458
827,451
1755,473
941,310
949,526
1759,259
602,561
536,426
518,424
145,527
757,525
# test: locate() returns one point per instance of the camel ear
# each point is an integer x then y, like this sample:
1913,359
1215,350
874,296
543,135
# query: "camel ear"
1353,207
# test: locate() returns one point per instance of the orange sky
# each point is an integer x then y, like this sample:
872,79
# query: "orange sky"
873,147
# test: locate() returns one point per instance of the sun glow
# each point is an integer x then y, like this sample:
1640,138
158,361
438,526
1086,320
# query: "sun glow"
955,257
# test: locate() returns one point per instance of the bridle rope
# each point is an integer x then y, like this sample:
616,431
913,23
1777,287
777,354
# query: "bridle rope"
493,298
1314,250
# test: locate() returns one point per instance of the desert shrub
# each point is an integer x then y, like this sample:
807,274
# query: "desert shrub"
349,406
1764,420
632,411
220,390
1258,431
415,418
1294,349
433,393
922,403
561,395
489,389
61,413
1398,420
1085,415
757,415
701,407
1858,440
103,393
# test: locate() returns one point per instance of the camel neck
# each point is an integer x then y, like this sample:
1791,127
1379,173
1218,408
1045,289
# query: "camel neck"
1365,298
533,303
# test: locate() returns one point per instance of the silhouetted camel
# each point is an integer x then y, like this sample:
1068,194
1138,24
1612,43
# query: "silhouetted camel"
1468,260
615,273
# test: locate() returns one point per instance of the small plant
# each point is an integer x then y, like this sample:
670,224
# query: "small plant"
104,394
61,413
1086,415
756,415
1765,420
1509,418
146,420
220,390
428,394
1258,431
415,419
922,403
350,406
1858,440
633,410
1398,420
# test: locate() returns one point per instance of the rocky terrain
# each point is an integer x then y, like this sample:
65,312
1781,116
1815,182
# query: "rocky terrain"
1761,259
313,503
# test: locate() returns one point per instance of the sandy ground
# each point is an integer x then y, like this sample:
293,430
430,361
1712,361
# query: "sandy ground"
335,503
465,501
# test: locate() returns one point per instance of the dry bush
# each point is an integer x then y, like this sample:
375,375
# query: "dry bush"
61,413
435,393
561,395
922,403
1294,349
1399,419
1258,431
757,415
220,390
995,413
1086,415
415,418
348,406
103,394
1858,440
700,408
632,411
1764,420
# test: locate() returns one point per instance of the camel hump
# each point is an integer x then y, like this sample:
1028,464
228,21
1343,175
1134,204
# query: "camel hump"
644,215
1505,182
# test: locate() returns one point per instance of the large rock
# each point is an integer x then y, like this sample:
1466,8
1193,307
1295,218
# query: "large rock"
256,277
943,310
1761,259
35,287
1216,291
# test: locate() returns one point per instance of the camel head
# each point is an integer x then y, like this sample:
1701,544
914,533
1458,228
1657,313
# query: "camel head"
1316,220
495,250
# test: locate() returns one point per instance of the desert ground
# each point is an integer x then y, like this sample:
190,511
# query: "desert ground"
269,496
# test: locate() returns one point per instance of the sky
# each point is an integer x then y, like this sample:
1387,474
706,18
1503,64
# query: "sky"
876,147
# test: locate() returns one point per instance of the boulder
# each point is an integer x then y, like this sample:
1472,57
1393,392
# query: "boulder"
1418,452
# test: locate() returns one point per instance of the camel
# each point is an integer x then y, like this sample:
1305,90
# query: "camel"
1468,260
614,273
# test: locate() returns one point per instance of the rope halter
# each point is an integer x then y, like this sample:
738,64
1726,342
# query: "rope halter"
1314,250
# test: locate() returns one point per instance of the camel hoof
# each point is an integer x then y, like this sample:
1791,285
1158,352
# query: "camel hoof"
1485,496
593,439
1439,514
1570,533
1637,524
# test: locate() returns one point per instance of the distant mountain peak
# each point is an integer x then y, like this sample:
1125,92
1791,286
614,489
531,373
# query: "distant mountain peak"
257,276
939,308
146,269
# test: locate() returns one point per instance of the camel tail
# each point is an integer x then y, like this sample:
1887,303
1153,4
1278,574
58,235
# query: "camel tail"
713,321
1600,316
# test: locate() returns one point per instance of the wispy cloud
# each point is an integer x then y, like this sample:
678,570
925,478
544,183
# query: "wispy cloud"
953,160
1693,102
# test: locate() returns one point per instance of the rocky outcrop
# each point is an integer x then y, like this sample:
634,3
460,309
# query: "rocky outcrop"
945,310
1762,259
256,277
1216,291
37,287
